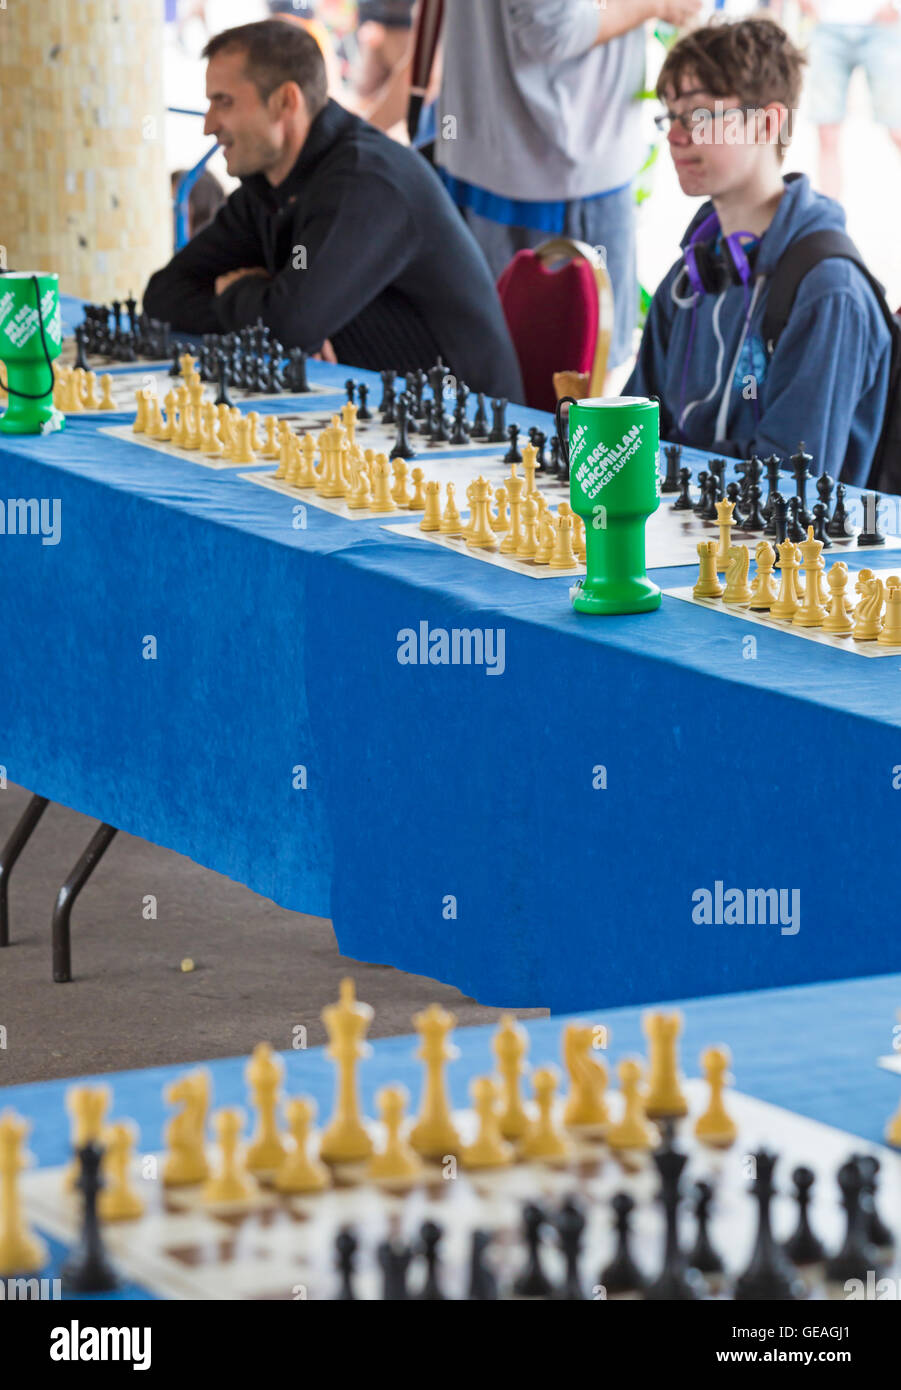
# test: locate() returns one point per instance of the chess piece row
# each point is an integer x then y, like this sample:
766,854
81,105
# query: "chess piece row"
75,389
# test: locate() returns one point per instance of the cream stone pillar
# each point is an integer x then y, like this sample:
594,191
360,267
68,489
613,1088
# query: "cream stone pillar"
83,184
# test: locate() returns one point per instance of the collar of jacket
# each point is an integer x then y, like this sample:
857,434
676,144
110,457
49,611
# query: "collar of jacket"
331,123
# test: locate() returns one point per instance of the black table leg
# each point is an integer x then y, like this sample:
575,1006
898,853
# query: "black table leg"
65,901
10,853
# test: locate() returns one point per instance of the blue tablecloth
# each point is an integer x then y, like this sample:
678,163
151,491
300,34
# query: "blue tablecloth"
450,824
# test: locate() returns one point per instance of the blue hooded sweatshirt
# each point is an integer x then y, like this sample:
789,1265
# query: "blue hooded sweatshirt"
826,384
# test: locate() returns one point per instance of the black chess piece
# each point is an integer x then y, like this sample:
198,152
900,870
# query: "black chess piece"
563,468
459,433
116,307
701,503
837,525
427,423
718,469
554,465
683,502
673,455
350,388
769,1276
394,1259
570,1229
771,464
430,1237
436,378
622,1274
878,1232
388,379
388,409
513,455
275,381
345,1261
733,495
802,1246
802,475
870,534
754,520
402,449
479,427
675,1282
131,305
796,531
825,486
498,434
439,433
702,1255
482,1281
857,1255
533,1282
778,520
462,396
819,525
538,440
363,411
708,510
87,1269
298,383
81,357
222,396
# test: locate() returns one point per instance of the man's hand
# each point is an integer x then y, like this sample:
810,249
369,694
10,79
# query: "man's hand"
326,353
677,12
223,281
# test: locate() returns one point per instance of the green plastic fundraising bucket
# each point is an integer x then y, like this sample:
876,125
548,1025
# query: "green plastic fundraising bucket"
30,340
613,446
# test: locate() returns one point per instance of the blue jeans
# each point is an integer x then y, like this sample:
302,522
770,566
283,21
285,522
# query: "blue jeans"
607,222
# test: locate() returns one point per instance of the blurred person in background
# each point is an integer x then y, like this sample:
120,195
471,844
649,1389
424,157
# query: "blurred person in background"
204,200
851,34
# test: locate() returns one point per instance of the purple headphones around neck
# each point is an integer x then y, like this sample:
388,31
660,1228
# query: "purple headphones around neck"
706,267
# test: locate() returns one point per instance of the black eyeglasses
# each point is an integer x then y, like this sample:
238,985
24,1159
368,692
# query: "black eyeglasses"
696,119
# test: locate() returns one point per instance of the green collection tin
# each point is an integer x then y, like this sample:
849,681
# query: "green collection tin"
613,446
30,340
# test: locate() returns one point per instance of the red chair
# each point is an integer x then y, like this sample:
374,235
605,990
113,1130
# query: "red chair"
560,320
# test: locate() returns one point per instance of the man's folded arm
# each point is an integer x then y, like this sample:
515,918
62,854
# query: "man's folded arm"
183,292
355,246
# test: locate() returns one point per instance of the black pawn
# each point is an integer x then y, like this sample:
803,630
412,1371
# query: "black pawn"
825,487
538,440
701,503
439,434
819,525
388,406
708,509
877,1230
177,349
871,534
554,466
857,1255
350,388
394,1259
570,1228
837,524
702,1255
796,531
345,1261
769,1276
459,434
778,519
430,1236
674,1283
622,1274
402,448
673,456
683,502
363,411
803,1247
81,358
733,495
498,433
297,358
513,455
771,465
754,521
801,472
388,380
88,1270
479,429
482,1283
718,469
533,1282
222,396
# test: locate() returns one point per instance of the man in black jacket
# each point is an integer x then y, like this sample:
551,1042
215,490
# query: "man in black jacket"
338,237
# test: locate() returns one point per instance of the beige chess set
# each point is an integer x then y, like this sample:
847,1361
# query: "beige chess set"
263,1219
807,599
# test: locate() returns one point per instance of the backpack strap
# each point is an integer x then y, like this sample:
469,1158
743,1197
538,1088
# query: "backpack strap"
801,257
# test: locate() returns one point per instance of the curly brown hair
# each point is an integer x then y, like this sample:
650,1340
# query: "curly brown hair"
753,59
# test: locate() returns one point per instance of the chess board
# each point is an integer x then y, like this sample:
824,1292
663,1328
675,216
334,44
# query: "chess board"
161,446
372,434
282,1248
126,383
811,634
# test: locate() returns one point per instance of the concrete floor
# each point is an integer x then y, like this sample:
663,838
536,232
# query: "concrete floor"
259,971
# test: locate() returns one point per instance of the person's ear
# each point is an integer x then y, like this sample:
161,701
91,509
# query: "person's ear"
771,122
